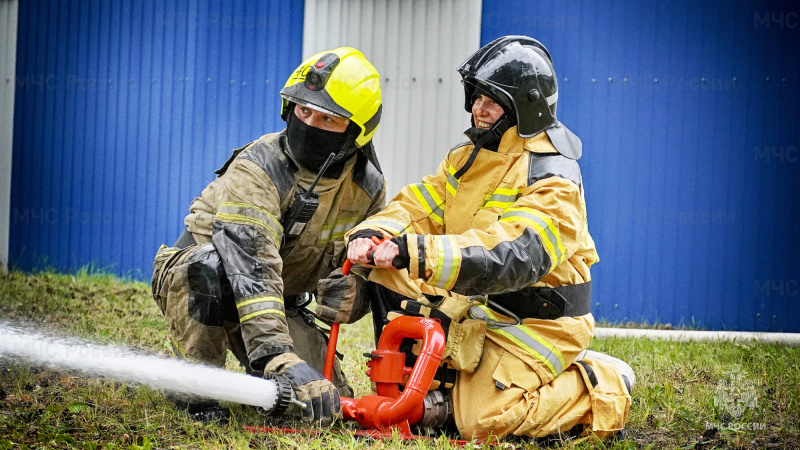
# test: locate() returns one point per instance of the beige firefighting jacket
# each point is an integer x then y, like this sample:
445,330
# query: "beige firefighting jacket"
516,218
241,213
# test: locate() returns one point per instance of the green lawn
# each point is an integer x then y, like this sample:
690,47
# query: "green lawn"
697,395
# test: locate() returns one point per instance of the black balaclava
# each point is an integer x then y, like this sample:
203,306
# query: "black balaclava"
476,133
311,146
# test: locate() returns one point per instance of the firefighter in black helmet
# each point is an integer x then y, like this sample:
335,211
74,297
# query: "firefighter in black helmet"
496,245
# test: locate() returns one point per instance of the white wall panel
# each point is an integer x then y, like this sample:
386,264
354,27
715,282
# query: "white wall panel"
8,57
416,45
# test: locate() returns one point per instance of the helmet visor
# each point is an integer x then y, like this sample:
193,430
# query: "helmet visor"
318,100
499,95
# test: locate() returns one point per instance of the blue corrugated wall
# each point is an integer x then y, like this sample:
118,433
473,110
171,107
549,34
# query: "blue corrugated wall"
124,108
688,111
692,180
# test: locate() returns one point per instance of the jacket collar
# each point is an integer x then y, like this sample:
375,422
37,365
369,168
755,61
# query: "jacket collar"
511,143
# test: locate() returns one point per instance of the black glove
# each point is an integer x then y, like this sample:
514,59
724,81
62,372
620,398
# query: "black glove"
323,404
365,234
402,260
342,298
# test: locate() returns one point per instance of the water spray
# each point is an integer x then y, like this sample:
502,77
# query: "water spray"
275,395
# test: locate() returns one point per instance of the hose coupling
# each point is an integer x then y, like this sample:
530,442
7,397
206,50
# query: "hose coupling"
438,410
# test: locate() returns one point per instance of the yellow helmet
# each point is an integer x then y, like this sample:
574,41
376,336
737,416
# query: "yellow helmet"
340,82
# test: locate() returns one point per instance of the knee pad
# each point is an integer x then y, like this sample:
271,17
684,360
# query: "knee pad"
211,299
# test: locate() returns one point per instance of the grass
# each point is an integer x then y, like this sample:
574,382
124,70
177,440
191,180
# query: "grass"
674,402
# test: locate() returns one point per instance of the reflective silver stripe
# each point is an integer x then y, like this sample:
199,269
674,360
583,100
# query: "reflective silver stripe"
337,231
552,99
502,198
260,215
554,241
433,207
395,228
521,335
444,270
503,201
254,307
452,182
479,312
324,236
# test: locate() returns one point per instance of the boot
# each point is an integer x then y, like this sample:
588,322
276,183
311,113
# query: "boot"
624,368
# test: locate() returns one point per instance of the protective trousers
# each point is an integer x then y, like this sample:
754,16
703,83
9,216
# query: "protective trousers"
523,380
504,397
192,291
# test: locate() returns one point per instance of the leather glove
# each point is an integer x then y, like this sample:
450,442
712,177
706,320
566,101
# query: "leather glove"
323,404
342,298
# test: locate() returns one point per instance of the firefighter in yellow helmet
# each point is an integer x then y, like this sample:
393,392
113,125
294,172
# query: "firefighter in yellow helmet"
267,233
496,245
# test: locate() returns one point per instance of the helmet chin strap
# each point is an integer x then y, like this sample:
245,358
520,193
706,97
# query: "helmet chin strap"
352,132
494,133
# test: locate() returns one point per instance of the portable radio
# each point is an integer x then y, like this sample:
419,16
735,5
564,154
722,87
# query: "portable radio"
304,206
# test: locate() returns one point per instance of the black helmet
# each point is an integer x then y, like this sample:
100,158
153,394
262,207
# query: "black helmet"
517,72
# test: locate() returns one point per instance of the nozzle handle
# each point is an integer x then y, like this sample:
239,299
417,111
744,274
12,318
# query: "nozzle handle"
331,354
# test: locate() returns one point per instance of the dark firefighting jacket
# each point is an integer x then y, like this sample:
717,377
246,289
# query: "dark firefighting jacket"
242,212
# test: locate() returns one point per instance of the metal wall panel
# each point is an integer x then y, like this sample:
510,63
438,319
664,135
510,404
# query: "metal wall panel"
8,58
688,113
123,111
416,45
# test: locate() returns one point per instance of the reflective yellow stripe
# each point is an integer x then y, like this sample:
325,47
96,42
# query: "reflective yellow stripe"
250,214
501,198
452,181
246,219
455,265
540,231
254,212
543,226
261,313
394,228
528,340
504,191
553,230
429,199
449,263
337,230
248,206
258,300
